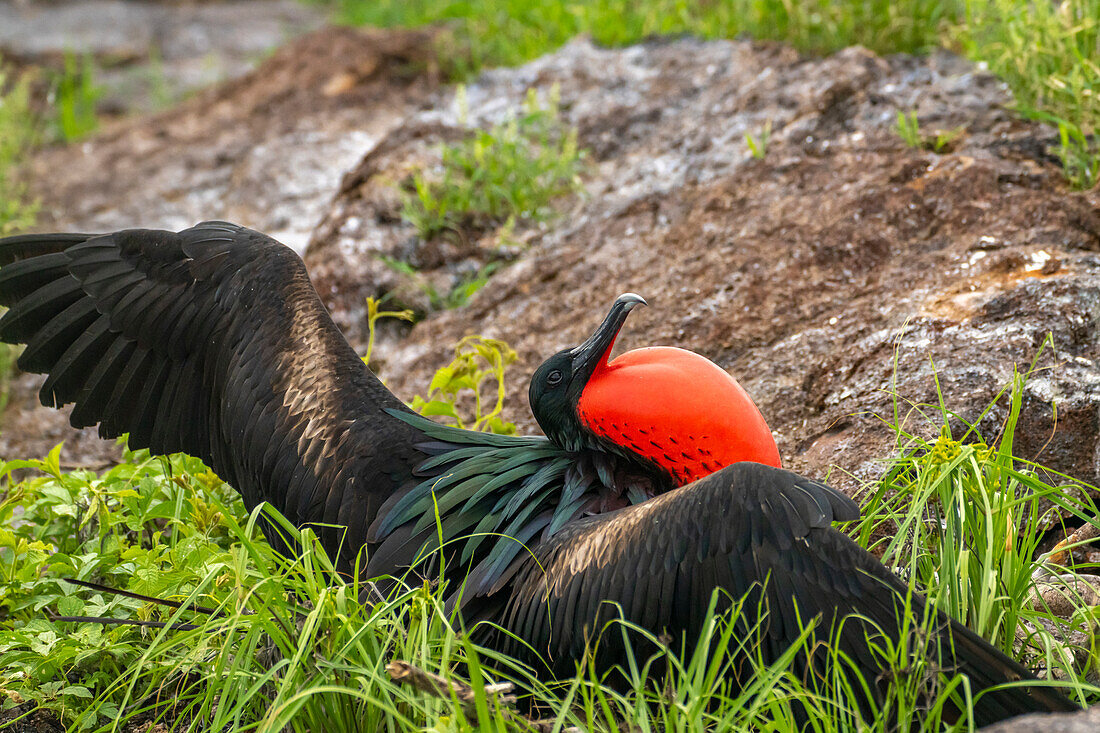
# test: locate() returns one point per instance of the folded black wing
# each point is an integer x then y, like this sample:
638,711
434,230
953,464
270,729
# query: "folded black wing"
210,341
753,531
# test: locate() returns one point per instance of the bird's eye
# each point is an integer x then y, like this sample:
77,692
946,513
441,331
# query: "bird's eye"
553,378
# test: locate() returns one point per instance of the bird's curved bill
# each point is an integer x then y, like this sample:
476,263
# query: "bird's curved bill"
597,347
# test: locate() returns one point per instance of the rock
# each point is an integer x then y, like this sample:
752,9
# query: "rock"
1065,596
841,270
1086,721
266,150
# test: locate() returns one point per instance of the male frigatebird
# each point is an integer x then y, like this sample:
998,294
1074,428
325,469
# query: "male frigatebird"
658,481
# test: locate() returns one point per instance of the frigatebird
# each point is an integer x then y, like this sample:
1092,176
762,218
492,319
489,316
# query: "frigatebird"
658,480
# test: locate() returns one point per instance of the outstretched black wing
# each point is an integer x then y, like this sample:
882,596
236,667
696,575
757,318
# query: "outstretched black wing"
756,532
210,341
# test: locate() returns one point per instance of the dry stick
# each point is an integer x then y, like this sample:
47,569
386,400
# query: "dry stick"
1060,554
436,686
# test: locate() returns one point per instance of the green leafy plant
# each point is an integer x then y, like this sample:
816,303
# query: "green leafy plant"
375,314
152,525
513,170
75,96
477,362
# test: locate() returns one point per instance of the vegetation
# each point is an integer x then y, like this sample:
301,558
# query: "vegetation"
293,647
959,515
940,141
74,96
511,171
17,136
758,144
1049,54
510,32
492,179
477,360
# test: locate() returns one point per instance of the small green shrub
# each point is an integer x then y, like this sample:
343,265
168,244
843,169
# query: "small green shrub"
477,360
75,95
515,169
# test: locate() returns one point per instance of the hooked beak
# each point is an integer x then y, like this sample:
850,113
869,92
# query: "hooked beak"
597,347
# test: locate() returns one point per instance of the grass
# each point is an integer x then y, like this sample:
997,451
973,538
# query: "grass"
487,183
1049,55
908,129
758,144
510,32
296,650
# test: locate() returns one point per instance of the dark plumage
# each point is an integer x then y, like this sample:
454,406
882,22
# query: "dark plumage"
213,342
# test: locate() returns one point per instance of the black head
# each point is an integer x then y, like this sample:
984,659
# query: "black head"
557,385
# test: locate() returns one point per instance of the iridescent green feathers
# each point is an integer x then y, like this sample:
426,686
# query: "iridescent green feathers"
488,497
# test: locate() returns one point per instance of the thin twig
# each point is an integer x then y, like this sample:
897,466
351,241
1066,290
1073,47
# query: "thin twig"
445,689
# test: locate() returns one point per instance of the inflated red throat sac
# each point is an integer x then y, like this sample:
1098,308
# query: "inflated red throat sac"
678,410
